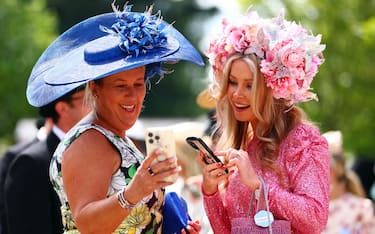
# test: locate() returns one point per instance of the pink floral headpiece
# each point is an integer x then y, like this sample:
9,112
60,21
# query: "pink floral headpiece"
289,54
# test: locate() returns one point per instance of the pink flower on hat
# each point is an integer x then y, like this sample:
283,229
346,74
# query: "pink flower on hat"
289,55
292,57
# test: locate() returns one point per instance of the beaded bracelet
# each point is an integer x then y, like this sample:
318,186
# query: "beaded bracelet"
123,202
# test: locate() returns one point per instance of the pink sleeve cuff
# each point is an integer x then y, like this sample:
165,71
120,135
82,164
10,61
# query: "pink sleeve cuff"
208,195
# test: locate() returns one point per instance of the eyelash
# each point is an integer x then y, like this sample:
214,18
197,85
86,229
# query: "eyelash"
231,82
124,86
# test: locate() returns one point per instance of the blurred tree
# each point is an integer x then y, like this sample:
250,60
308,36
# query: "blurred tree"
346,80
26,29
70,12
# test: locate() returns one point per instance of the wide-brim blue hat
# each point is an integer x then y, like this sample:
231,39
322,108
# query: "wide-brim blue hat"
103,45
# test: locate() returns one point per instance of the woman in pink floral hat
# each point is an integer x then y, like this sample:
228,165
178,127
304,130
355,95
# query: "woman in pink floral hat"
263,68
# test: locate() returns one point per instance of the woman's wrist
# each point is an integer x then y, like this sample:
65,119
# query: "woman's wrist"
254,184
209,190
122,199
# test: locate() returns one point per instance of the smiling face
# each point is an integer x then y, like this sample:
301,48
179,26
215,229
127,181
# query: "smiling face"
239,90
118,99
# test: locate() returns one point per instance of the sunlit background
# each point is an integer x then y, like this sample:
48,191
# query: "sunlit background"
345,83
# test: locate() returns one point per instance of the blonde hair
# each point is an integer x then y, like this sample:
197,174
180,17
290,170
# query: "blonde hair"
89,99
346,176
275,119
342,173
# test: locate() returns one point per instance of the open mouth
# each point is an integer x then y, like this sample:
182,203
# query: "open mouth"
241,106
128,107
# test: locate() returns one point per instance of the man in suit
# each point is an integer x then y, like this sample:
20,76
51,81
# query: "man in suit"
43,125
31,204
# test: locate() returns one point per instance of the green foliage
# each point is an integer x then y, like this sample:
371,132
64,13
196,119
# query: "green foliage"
26,29
345,81
70,12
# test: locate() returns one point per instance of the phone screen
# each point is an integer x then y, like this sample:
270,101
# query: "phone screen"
209,157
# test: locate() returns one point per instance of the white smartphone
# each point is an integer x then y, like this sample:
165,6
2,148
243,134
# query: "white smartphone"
161,138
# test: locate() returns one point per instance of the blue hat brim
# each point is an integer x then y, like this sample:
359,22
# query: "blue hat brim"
66,64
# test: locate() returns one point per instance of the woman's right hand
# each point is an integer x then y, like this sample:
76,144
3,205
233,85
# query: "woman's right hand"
213,174
150,176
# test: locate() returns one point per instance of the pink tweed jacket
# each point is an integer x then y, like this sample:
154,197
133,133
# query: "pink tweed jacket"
304,160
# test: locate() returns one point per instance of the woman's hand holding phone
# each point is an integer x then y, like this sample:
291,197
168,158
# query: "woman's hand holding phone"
214,170
162,138
208,155
213,175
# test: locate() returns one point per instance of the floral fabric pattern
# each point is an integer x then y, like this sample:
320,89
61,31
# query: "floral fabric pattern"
350,214
145,218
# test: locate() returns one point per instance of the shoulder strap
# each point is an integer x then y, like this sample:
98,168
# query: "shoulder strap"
262,202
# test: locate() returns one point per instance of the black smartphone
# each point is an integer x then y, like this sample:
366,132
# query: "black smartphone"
209,156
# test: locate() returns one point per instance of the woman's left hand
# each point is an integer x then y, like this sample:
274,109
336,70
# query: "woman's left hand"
192,227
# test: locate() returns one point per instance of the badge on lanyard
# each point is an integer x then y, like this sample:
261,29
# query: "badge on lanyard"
263,218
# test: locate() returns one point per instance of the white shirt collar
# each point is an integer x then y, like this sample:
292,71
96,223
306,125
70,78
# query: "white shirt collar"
59,133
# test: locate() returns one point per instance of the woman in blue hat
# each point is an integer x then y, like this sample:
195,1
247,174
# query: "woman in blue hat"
104,182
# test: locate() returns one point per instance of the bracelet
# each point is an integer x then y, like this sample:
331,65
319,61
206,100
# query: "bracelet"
124,203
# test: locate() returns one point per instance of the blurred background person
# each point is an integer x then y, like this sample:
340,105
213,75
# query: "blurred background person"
191,191
190,178
44,126
205,101
349,209
364,167
30,203
137,134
